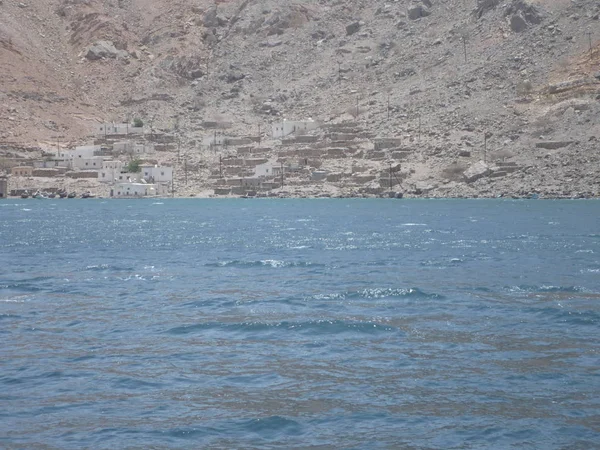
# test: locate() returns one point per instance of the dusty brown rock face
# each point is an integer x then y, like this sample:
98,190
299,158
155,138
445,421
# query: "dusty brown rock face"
437,77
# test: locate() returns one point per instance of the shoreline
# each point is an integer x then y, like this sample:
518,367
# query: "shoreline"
324,197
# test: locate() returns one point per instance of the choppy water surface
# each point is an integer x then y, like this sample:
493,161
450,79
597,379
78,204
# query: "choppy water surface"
299,324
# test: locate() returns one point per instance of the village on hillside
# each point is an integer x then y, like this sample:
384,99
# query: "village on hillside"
300,158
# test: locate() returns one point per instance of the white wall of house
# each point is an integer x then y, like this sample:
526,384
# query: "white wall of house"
86,151
287,127
94,163
134,190
128,177
110,171
137,190
157,174
263,170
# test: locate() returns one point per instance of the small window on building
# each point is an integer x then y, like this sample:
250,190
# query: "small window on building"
86,164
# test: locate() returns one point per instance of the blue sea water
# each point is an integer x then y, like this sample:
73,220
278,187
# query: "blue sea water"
323,324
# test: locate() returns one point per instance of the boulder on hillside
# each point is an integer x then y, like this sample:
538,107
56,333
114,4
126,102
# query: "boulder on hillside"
522,14
483,6
526,10
518,23
476,171
418,11
104,49
352,28
213,20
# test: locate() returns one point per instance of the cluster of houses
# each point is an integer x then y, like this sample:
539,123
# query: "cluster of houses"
94,161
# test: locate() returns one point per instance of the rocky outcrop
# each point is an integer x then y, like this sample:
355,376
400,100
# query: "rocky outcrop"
476,171
418,11
104,49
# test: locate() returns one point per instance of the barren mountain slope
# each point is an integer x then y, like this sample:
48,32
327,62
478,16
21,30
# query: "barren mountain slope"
450,71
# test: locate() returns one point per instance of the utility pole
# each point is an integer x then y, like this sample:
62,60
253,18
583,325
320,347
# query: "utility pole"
215,141
357,110
185,170
281,174
485,138
220,166
58,147
419,127
339,72
589,33
464,39
178,150
259,135
390,179
388,106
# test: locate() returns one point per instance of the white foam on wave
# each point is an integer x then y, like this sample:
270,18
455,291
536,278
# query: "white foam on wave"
414,224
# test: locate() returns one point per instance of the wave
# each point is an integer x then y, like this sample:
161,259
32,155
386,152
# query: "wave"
263,263
547,289
106,267
267,428
377,293
313,327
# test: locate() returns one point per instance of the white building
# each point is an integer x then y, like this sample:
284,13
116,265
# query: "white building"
263,170
76,159
157,174
137,190
93,163
128,177
287,127
133,148
110,171
109,129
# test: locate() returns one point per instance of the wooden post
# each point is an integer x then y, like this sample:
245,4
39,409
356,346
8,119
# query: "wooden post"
58,147
282,174
220,166
357,110
339,72
390,178
185,170
419,127
259,135
589,33
464,39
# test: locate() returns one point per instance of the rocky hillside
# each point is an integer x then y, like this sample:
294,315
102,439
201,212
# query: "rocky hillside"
506,81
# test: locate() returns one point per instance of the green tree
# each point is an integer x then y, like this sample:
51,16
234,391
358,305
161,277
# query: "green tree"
133,166
138,123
